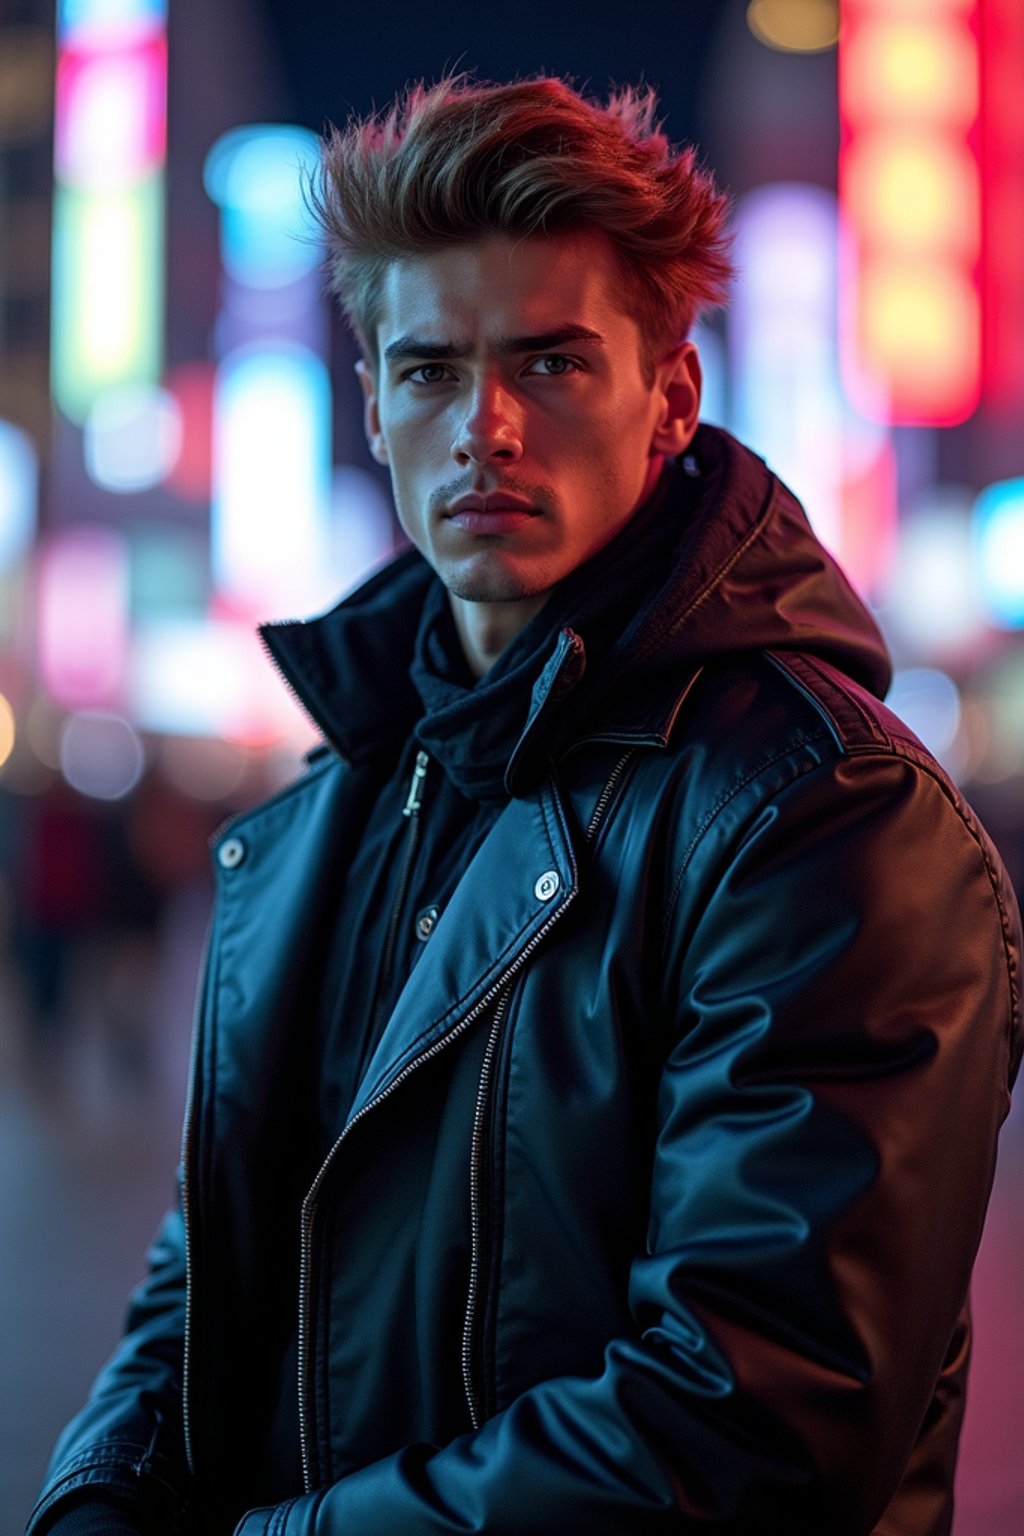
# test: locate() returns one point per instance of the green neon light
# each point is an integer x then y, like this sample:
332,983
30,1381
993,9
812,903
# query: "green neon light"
108,283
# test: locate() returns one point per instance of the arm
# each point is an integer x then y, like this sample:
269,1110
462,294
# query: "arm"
125,1446
845,1022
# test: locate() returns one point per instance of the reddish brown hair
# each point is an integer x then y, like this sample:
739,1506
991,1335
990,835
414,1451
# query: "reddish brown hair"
461,160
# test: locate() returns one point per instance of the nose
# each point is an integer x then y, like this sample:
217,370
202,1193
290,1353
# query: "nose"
491,431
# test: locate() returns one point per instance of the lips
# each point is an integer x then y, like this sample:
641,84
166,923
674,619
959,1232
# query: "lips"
497,512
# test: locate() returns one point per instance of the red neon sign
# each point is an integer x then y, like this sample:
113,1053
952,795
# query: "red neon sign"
1002,33
911,200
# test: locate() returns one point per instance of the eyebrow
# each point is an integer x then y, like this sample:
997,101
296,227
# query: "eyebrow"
506,346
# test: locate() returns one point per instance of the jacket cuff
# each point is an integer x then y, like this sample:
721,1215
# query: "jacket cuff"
293,1518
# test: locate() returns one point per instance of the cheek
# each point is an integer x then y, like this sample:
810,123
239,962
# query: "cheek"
414,444
616,439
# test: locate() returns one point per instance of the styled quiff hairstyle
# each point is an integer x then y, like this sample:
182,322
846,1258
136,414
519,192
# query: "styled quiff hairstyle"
462,160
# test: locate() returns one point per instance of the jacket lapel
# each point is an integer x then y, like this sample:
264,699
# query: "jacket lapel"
520,881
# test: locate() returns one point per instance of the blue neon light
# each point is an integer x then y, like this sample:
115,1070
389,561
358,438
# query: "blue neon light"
89,20
998,519
255,176
19,478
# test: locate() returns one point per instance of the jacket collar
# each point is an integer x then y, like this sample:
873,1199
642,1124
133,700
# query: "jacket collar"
747,574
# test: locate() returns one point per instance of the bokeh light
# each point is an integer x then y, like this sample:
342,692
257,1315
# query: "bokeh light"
915,192
168,570
8,730
107,297
191,474
19,485
795,26
108,22
108,202
362,532
929,702
1005,703
999,541
271,478
133,437
917,62
83,614
254,175
111,116
933,598
911,191
101,755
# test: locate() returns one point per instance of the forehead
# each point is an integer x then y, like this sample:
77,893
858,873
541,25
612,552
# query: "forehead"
501,287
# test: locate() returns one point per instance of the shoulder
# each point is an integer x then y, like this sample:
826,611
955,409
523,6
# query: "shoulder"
786,772
767,719
786,721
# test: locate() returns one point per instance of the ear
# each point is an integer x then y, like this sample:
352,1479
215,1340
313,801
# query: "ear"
678,381
371,414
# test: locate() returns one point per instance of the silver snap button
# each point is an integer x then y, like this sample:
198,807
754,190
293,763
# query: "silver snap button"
426,921
547,885
231,853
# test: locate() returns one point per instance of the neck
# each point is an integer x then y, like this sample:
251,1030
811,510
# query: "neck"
485,629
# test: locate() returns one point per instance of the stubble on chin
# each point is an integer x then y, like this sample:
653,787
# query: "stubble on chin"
493,586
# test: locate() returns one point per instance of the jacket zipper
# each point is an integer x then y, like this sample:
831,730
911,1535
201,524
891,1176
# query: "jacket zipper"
410,810
186,1369
606,793
475,1159
476,1146
309,1204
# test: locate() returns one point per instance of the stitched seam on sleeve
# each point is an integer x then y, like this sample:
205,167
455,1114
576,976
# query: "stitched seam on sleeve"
725,799
967,821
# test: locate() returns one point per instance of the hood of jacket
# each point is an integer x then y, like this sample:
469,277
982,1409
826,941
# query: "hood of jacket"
747,574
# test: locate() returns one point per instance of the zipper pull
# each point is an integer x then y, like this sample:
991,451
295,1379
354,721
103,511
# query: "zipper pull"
415,797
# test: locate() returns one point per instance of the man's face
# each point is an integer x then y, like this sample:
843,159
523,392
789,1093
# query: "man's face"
510,405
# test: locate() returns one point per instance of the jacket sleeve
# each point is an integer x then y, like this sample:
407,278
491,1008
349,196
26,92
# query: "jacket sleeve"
842,1026
127,1441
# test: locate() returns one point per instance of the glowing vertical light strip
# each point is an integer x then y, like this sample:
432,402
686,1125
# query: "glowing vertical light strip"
998,526
786,396
270,509
19,492
271,476
1002,59
782,343
83,615
108,217
910,189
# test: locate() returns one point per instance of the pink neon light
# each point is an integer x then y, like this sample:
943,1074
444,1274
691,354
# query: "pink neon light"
111,122
192,385
869,519
83,616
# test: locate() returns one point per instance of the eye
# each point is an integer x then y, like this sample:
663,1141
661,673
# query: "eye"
557,366
429,373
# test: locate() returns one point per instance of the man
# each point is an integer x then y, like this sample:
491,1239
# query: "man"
602,1047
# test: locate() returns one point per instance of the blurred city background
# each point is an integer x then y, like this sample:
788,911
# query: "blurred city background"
181,457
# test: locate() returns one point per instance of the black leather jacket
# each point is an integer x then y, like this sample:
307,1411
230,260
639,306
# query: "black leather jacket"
721,1020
